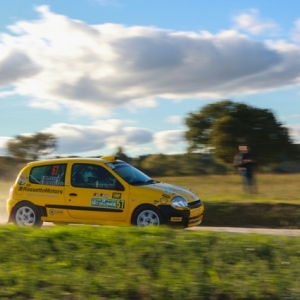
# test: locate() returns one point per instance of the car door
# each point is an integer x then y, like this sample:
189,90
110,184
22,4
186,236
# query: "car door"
94,193
46,188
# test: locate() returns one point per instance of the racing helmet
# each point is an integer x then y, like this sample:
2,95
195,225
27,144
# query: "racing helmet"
88,175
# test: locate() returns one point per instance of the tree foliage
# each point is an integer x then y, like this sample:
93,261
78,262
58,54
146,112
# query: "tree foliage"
226,124
181,165
121,155
31,147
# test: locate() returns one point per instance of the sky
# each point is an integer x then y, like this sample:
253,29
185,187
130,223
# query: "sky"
103,74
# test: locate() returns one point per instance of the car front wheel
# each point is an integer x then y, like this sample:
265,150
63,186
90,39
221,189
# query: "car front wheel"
27,215
147,216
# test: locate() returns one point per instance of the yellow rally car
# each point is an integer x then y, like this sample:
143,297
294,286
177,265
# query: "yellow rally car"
102,190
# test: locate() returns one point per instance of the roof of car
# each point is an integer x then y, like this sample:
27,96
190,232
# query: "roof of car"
104,159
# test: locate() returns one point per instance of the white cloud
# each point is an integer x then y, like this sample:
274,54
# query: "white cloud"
251,22
174,119
5,94
296,32
106,134
137,104
295,132
66,64
15,66
3,141
111,134
136,136
49,105
168,138
104,137
94,69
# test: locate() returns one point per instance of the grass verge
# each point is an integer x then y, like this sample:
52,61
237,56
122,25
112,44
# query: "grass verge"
79,262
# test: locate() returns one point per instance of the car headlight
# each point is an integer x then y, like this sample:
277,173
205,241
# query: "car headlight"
179,202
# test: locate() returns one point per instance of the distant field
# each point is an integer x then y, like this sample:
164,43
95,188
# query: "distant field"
276,205
271,187
4,190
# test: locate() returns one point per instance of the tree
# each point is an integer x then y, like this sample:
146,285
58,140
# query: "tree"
31,147
121,155
181,165
225,124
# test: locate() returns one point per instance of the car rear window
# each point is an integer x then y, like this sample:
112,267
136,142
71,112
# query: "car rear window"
48,174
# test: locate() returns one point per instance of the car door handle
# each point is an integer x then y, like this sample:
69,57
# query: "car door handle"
72,194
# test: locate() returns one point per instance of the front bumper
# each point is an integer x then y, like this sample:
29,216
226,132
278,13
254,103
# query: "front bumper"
192,216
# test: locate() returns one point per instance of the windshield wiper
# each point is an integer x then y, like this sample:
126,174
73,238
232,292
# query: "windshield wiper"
151,181
140,182
137,182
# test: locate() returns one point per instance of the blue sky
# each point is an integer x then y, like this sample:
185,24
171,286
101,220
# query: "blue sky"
102,74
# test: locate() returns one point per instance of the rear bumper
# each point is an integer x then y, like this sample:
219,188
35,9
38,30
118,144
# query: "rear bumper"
9,209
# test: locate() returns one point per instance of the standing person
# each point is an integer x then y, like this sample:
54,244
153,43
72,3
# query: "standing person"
244,161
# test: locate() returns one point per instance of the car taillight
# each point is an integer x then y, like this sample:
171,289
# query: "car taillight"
11,191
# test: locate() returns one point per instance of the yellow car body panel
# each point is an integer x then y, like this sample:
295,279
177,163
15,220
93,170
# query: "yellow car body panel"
51,191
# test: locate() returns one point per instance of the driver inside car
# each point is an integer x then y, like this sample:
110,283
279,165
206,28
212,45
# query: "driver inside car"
96,178
89,177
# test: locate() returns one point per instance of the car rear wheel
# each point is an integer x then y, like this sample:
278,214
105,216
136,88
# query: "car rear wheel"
27,215
146,216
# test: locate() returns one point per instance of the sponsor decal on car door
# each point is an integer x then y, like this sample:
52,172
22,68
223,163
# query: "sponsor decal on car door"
93,204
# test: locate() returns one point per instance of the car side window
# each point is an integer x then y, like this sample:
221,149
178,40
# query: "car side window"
48,174
93,176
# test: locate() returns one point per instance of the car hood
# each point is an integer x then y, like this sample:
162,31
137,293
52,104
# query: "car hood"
168,191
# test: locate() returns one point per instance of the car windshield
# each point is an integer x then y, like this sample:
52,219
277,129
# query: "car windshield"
130,174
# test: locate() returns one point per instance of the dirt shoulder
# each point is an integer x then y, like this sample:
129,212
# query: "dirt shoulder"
3,218
243,230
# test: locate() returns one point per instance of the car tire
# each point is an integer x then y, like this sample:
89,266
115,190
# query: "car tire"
25,214
147,215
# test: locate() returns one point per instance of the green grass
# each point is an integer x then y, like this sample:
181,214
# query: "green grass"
80,262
